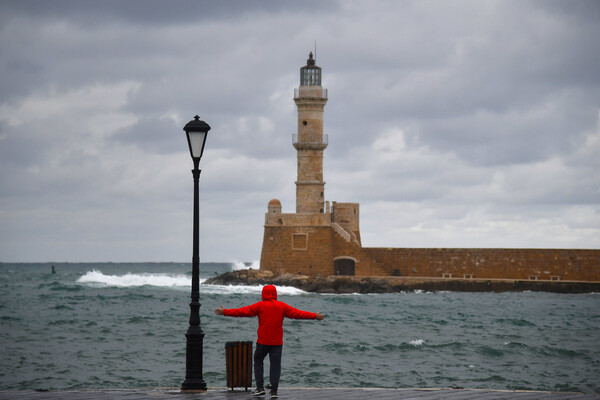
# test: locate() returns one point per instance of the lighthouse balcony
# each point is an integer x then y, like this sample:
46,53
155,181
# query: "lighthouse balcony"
310,92
308,144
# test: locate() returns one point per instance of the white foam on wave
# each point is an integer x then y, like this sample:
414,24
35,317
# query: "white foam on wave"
237,265
97,278
229,289
417,342
131,280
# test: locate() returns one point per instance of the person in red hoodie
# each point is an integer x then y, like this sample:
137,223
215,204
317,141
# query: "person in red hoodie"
271,313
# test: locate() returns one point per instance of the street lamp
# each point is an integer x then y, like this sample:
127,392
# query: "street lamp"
196,131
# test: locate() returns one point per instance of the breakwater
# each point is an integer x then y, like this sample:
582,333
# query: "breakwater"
393,284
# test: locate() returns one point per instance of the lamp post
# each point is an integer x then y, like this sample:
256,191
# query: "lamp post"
196,132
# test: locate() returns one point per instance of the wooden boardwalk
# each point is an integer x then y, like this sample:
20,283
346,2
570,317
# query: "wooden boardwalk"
296,394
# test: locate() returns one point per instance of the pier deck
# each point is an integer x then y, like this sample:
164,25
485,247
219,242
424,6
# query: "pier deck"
296,394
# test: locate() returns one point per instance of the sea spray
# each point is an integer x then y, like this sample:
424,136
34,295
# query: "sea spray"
238,265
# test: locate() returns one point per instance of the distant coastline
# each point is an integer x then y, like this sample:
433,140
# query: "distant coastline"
394,284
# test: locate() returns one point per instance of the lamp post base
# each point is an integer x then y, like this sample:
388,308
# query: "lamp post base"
193,386
193,371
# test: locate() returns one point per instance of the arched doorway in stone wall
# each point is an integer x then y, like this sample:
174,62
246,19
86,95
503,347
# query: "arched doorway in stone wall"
343,266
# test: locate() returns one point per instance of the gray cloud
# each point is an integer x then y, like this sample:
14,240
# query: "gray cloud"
453,124
153,134
157,12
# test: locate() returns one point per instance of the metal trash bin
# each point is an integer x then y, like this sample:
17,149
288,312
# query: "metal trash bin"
238,357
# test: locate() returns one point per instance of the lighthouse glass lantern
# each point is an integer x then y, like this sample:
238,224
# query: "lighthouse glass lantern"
310,74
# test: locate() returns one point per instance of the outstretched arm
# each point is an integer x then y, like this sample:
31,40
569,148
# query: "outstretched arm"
291,312
248,311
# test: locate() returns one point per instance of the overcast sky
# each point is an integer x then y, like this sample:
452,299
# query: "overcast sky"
452,123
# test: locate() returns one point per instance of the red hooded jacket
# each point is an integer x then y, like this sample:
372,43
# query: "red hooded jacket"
270,313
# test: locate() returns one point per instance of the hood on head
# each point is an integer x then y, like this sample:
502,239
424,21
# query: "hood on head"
269,292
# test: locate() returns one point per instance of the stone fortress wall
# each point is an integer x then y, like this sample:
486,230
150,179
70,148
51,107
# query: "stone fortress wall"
520,264
310,244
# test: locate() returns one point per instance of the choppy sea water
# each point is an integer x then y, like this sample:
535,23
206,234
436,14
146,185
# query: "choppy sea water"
112,325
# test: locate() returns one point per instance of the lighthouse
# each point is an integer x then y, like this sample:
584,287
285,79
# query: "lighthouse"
317,238
309,142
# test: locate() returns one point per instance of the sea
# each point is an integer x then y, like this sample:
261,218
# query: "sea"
122,325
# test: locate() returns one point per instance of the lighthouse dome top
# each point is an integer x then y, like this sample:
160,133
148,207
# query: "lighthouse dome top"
310,74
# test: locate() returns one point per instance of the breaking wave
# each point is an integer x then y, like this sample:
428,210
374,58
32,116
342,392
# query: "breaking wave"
227,289
95,277
99,279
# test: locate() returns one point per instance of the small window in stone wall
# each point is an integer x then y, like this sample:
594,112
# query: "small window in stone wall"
299,241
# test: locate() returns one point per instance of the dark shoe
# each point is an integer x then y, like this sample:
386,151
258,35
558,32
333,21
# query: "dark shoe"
258,392
274,394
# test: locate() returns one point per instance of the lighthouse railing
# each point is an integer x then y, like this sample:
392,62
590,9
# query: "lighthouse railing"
323,93
324,141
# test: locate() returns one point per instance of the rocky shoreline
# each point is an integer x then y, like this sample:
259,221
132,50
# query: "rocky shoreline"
393,284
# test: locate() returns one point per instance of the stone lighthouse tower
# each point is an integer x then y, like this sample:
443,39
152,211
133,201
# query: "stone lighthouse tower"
317,238
310,98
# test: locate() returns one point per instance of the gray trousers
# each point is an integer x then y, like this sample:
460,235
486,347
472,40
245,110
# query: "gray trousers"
274,353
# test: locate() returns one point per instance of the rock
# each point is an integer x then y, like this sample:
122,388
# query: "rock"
283,279
264,275
344,284
326,291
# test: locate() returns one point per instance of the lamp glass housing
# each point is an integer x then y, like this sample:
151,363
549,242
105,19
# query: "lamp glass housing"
196,141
